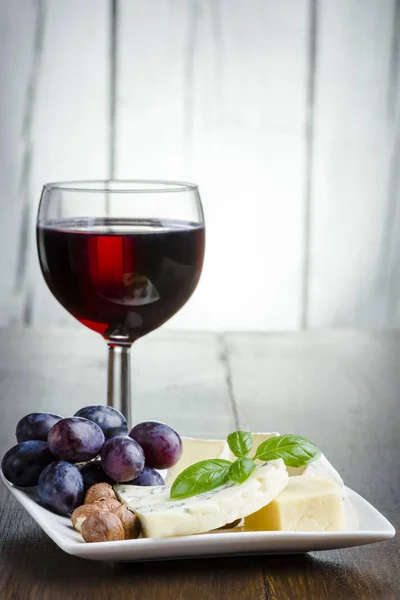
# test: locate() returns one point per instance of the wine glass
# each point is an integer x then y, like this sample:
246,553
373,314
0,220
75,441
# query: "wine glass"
122,257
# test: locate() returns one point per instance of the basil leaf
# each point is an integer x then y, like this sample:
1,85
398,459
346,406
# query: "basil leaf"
241,469
240,442
201,477
296,451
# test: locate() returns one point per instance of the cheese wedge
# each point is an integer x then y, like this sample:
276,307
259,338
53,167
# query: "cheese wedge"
195,450
321,467
308,503
162,517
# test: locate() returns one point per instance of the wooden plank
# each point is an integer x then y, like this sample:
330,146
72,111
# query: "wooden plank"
70,121
194,103
286,379
247,151
179,379
151,55
350,574
46,573
190,370
352,148
390,245
340,389
20,46
202,96
176,378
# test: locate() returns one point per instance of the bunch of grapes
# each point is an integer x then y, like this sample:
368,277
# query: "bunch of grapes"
65,457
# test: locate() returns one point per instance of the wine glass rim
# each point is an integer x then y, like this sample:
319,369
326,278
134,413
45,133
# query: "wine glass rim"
127,186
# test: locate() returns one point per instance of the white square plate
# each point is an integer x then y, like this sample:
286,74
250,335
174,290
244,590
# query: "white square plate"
365,526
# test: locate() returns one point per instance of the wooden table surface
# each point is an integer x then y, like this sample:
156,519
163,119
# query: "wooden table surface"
341,389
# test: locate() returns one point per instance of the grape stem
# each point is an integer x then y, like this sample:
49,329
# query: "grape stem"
119,379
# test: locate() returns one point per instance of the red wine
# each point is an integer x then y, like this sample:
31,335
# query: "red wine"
121,278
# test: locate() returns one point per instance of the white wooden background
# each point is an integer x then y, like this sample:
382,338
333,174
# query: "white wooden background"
286,112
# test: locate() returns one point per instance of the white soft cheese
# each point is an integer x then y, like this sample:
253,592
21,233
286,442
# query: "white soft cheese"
162,517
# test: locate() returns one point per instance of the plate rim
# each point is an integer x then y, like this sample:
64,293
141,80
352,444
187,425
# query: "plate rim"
385,532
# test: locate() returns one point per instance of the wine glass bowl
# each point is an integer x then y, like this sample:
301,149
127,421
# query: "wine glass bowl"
122,260
121,256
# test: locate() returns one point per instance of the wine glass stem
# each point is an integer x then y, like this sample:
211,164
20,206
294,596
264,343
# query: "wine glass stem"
119,380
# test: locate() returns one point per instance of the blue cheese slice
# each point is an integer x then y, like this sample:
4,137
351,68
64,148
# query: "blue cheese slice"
162,517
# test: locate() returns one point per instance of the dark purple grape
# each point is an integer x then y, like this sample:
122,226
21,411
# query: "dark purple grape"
162,445
122,458
35,426
60,487
148,476
75,439
23,463
92,473
111,421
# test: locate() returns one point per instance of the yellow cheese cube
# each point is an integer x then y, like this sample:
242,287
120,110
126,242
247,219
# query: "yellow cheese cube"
308,503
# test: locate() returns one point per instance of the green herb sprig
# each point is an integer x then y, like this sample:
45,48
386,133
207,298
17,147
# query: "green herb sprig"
207,475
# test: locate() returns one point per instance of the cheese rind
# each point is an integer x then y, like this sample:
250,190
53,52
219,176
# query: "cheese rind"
308,503
161,516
